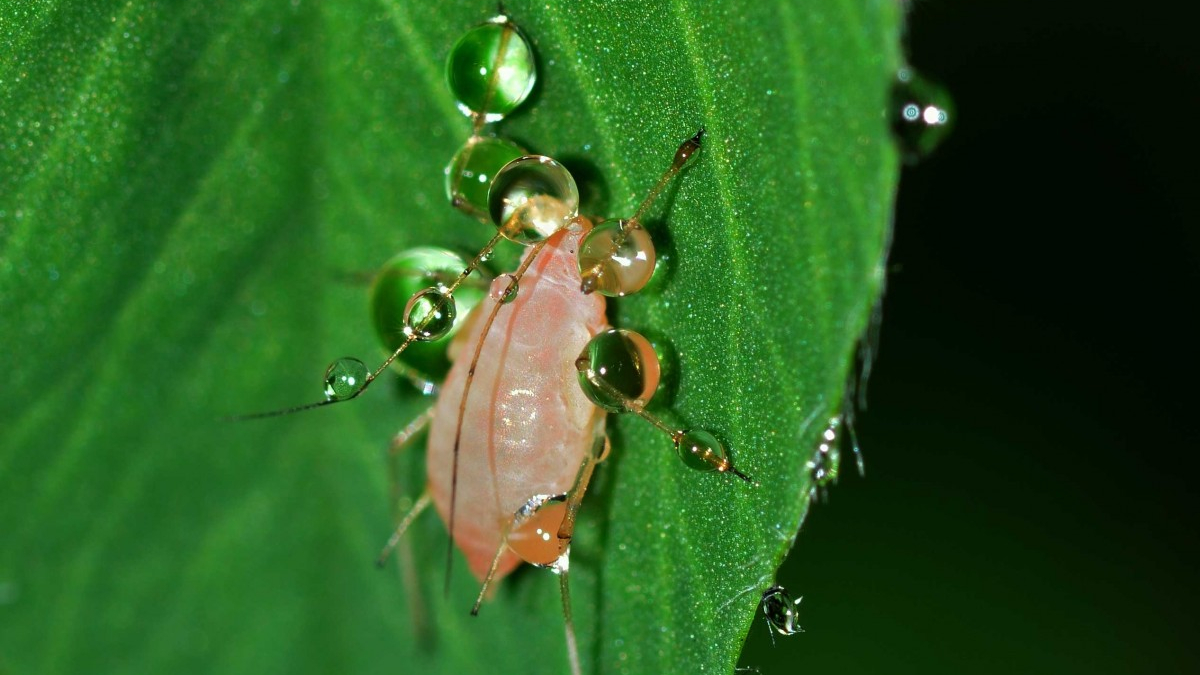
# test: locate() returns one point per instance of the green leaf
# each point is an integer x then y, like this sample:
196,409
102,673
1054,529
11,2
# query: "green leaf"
183,192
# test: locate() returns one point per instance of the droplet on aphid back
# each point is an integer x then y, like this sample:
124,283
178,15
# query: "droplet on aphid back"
532,198
504,288
780,610
470,173
429,315
344,378
491,70
616,258
618,367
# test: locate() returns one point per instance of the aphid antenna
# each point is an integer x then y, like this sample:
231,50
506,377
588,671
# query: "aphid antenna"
514,281
590,278
717,462
414,332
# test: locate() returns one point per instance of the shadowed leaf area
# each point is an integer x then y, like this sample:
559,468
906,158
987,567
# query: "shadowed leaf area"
187,193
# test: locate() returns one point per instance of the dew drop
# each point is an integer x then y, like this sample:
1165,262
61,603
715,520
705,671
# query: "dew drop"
921,115
475,165
504,288
701,450
532,198
344,378
780,610
481,82
618,367
616,259
534,536
826,459
429,314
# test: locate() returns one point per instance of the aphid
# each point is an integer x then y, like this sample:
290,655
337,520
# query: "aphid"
781,611
518,426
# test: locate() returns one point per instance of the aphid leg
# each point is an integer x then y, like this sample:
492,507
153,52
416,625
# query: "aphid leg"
617,257
513,283
399,442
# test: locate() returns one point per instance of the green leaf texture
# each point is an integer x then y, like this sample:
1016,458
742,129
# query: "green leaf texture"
185,189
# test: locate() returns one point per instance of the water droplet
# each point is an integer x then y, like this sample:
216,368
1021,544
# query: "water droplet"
344,378
826,460
921,115
701,450
780,610
491,70
404,276
429,315
532,198
618,367
534,535
616,259
504,288
475,165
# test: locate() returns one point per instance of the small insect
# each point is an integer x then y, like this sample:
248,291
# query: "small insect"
519,423
781,611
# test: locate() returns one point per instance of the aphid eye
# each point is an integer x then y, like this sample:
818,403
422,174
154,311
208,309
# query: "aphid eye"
491,70
470,173
531,198
616,258
616,368
429,315
344,378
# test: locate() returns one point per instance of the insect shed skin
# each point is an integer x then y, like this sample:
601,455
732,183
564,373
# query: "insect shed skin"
526,426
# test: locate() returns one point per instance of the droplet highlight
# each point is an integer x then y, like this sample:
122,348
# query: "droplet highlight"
344,378
826,460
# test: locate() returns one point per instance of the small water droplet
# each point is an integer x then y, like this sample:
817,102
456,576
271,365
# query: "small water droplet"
429,314
344,378
921,115
504,288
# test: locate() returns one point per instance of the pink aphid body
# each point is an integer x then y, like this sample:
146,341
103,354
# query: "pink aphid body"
527,426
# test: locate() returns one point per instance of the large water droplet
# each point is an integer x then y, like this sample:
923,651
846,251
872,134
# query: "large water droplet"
921,115
344,378
616,259
781,610
491,70
532,198
618,367
470,174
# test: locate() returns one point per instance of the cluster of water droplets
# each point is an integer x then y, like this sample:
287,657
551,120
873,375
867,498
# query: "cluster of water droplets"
921,114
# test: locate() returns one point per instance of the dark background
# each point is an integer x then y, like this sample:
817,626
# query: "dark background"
1029,436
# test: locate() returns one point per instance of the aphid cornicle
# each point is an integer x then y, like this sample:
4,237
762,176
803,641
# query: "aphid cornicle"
518,426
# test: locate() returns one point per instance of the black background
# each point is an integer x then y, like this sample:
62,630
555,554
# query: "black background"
1030,430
